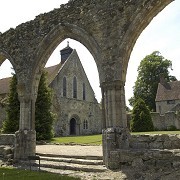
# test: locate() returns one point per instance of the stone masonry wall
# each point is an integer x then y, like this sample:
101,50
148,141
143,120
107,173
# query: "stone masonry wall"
163,141
160,151
166,121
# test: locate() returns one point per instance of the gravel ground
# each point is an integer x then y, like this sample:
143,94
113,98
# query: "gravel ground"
75,150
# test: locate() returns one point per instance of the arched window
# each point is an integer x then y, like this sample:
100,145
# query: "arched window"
64,87
74,87
85,124
84,92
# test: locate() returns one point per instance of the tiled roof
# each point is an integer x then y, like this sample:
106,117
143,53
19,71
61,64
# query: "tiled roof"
171,93
52,72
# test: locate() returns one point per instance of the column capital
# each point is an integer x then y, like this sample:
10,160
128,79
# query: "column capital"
117,84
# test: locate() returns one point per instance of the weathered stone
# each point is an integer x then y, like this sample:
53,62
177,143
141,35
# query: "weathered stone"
167,145
7,139
176,164
163,163
151,162
109,29
138,162
156,145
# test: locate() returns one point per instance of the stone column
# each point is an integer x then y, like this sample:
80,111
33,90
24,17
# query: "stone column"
25,138
115,131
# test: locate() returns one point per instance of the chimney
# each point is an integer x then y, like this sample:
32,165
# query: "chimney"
65,53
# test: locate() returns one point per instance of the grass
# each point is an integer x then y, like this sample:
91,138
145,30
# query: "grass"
13,174
97,139
91,139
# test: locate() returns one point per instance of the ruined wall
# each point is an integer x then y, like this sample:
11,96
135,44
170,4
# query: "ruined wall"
156,141
166,121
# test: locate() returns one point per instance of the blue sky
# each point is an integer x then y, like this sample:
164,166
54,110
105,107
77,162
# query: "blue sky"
162,34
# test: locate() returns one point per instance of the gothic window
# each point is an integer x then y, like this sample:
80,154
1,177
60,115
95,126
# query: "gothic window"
85,124
64,87
84,92
74,87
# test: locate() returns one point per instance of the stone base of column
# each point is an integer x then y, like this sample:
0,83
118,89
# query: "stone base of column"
25,144
113,139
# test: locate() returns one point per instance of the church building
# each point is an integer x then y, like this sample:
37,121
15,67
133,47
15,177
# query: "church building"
74,104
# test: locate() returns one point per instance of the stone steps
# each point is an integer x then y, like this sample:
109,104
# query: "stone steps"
67,164
73,160
72,156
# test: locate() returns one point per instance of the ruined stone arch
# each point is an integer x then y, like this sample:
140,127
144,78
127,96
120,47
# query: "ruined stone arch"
137,27
54,38
4,55
109,30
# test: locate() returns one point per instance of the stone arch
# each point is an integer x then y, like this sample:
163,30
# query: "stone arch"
4,55
54,38
136,28
110,36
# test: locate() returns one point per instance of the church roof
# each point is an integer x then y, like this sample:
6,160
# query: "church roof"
172,92
52,72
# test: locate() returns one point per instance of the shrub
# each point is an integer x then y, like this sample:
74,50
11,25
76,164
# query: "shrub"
141,117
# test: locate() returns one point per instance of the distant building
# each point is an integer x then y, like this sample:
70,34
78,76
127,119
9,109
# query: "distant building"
74,103
168,96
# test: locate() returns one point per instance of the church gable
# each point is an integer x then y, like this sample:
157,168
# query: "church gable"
72,81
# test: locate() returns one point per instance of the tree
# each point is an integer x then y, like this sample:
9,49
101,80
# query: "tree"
148,78
141,118
43,116
11,124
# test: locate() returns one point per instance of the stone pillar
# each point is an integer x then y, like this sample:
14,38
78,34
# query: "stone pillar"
115,131
25,138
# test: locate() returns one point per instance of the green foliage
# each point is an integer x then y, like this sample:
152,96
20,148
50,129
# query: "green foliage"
148,78
141,117
43,116
11,124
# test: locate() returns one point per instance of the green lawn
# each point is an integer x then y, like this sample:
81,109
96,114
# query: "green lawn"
91,139
97,139
13,174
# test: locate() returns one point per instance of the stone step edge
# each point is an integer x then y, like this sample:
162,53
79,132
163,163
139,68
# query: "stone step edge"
71,156
68,166
73,160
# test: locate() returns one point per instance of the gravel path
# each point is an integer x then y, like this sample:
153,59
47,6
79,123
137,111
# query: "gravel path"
75,150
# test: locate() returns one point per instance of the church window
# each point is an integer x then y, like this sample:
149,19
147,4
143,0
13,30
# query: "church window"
74,87
85,124
84,91
64,87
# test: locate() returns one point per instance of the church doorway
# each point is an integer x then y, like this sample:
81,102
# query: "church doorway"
72,126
